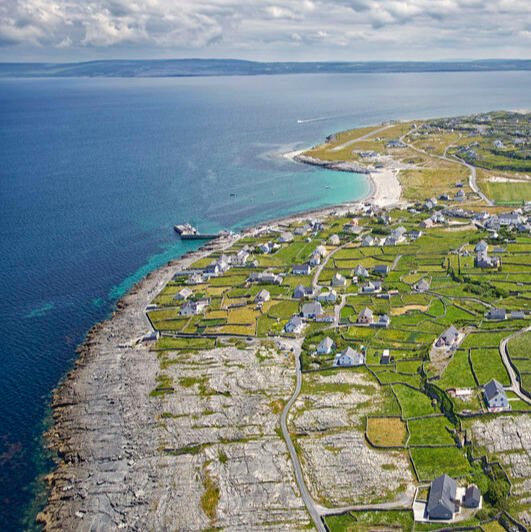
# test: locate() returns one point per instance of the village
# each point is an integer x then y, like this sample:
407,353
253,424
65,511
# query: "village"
412,328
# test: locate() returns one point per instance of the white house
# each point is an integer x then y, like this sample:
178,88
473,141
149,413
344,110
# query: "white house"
311,310
325,347
339,280
328,297
262,296
301,269
286,237
349,357
295,325
183,294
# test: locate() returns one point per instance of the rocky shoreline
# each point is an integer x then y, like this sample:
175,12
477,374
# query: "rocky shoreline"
340,166
110,472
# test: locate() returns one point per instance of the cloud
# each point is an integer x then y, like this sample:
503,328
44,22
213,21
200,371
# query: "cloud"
270,27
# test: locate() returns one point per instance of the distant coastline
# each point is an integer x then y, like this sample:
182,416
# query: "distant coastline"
232,67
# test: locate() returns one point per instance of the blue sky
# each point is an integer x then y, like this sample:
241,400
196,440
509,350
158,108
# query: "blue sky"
302,30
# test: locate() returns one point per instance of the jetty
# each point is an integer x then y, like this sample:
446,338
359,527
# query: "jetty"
188,232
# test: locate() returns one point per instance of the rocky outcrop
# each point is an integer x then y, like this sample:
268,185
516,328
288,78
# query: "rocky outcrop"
341,166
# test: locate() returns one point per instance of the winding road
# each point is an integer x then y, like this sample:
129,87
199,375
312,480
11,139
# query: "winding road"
305,494
515,385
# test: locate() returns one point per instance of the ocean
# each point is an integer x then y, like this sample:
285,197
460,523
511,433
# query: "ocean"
95,172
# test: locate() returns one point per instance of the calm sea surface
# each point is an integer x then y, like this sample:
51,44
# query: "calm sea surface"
95,172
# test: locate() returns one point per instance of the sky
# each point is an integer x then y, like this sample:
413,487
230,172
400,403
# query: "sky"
265,30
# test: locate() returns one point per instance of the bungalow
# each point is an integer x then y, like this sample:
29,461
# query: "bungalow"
328,317
266,247
361,271
496,314
517,314
421,286
302,291
396,143
334,240
385,358
351,228
399,233
286,237
151,336
328,297
383,321
322,251
508,218
381,269
495,396
448,337
262,296
390,241
301,269
325,347
365,316
265,277
349,357
442,498
183,295
459,195
310,310
339,280
372,287
295,325
472,498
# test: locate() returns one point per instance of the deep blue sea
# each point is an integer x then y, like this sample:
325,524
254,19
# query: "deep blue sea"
95,172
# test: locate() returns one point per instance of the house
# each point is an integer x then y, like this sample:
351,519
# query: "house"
459,195
399,233
495,396
496,314
517,314
339,280
421,286
262,296
351,228
322,251
192,308
265,277
325,317
301,269
302,230
328,297
390,241
484,260
334,240
508,218
286,237
368,241
310,310
385,358
302,291
498,144
315,259
372,287
195,278
426,224
481,246
472,498
448,337
266,247
361,271
383,321
325,347
213,268
151,336
442,498
396,143
295,325
365,316
183,294
240,258
414,234
381,269
349,357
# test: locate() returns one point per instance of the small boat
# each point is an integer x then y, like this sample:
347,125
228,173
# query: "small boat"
327,186
232,195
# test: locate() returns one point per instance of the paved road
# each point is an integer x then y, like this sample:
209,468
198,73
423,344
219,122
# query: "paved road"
350,142
515,385
306,497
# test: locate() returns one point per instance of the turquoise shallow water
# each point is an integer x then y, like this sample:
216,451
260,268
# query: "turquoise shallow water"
95,172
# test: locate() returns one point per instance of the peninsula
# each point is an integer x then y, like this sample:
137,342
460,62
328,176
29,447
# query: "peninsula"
366,366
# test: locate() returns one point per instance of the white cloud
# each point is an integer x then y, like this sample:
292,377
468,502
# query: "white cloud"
270,29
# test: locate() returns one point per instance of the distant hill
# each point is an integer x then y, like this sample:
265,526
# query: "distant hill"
233,67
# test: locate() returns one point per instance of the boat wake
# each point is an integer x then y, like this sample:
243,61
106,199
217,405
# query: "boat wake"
323,118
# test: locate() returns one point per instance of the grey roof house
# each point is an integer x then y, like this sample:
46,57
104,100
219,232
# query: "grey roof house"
495,396
441,500
472,498
325,347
